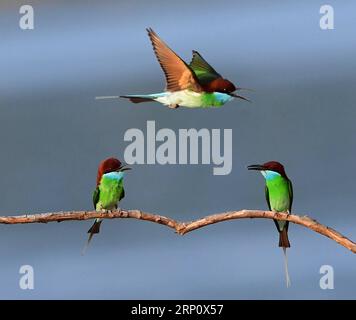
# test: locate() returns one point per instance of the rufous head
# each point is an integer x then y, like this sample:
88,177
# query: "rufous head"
222,85
109,165
274,166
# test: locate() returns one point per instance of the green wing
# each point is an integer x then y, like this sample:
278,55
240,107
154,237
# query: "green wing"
267,198
122,195
269,207
96,195
203,70
290,195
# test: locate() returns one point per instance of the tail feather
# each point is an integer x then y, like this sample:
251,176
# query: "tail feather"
284,243
283,238
138,99
95,228
282,228
288,282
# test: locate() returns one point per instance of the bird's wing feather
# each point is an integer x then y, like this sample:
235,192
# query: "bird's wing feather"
178,74
270,209
290,195
96,195
267,198
122,194
203,70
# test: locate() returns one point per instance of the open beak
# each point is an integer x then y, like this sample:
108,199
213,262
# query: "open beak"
238,96
257,167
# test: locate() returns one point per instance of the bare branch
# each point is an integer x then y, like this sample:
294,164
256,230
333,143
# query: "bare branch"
183,227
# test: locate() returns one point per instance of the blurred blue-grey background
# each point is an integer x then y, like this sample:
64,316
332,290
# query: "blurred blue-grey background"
54,134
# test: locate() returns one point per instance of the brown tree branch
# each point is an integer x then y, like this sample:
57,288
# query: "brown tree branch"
183,227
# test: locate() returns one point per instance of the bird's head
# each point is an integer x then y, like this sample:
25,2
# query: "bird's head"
110,165
222,85
269,169
225,86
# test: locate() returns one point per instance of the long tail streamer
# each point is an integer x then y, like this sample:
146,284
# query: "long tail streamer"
107,97
87,243
286,267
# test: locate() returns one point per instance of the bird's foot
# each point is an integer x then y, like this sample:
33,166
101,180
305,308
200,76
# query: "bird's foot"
173,106
107,211
114,210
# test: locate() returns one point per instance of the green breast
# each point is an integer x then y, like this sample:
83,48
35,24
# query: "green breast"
111,192
279,194
214,99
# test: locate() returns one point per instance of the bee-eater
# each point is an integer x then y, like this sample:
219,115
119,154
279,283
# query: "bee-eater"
196,85
279,196
109,190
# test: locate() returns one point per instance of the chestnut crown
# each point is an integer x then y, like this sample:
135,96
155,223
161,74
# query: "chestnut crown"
106,166
222,85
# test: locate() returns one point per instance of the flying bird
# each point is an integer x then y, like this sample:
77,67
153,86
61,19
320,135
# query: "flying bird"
108,192
279,196
196,85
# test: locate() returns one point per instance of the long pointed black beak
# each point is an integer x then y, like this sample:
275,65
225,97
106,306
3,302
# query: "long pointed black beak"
256,167
245,89
238,96
124,168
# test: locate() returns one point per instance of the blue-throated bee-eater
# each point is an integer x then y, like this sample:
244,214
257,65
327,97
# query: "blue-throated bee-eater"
196,85
109,190
279,196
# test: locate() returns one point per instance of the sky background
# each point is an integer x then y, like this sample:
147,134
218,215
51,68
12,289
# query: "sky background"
54,133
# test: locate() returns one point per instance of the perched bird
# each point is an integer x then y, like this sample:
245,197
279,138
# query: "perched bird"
109,190
279,196
196,85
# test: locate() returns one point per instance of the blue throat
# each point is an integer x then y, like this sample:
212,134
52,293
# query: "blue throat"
222,97
270,175
116,175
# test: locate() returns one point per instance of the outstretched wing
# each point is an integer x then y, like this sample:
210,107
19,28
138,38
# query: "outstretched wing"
179,76
96,195
203,70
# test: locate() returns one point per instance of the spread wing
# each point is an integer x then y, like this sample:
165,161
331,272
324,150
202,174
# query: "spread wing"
96,195
203,70
179,76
